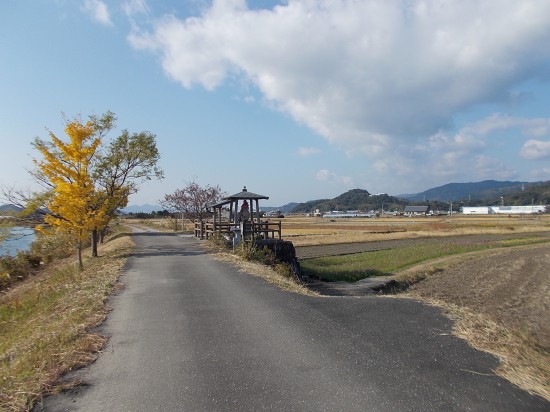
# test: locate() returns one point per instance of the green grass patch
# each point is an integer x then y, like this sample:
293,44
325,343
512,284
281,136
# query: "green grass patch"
351,268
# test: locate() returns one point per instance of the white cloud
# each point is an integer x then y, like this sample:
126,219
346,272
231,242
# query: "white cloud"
529,127
98,11
308,151
490,168
132,7
541,174
535,150
325,175
356,71
382,79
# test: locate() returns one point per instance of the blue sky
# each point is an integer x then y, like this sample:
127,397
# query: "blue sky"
297,100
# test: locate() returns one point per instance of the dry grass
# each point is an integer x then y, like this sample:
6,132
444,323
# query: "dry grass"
521,362
265,272
45,324
306,231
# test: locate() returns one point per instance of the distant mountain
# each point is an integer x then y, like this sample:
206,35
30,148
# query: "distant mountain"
288,207
146,208
310,206
10,208
486,190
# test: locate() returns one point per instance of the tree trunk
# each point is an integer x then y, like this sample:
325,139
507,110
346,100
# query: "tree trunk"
79,252
102,235
95,239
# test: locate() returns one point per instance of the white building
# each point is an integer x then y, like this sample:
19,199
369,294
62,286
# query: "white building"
508,210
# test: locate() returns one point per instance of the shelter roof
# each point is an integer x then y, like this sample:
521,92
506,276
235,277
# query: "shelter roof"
245,194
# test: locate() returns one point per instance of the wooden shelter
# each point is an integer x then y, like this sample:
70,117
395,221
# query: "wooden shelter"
247,219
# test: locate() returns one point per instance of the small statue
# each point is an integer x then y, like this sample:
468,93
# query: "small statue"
244,214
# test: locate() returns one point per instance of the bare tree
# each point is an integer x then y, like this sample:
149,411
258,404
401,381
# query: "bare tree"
193,199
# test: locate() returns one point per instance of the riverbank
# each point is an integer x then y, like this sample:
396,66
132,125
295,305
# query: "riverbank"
46,323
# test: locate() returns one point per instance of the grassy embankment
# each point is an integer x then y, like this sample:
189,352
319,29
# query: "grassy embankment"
46,321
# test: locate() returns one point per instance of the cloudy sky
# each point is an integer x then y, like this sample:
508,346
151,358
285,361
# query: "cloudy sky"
297,100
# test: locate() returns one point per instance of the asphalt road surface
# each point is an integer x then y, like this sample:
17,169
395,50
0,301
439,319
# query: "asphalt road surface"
189,333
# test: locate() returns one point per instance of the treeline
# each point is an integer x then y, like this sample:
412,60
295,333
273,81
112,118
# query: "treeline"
151,215
359,199
356,199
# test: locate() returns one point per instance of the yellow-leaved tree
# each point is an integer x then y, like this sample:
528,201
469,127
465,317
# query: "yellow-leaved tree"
67,166
86,182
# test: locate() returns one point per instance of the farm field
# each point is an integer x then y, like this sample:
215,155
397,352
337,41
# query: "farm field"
307,231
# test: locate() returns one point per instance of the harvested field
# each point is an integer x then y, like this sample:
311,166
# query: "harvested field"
500,301
338,249
510,286
308,231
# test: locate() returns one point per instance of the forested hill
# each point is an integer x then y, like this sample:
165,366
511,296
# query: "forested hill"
483,191
515,194
532,193
355,199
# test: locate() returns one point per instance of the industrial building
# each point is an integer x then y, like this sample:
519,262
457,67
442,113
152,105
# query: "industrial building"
508,210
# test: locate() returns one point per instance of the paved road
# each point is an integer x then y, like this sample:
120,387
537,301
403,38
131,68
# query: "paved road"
189,333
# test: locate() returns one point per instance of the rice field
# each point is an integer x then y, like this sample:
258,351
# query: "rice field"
351,268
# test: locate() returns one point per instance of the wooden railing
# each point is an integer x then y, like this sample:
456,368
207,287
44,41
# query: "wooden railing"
266,229
252,230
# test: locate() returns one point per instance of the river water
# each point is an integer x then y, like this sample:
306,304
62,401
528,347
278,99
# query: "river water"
20,239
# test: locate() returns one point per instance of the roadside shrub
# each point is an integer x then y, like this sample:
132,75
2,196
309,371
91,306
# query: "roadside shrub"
284,270
249,251
218,242
50,248
17,268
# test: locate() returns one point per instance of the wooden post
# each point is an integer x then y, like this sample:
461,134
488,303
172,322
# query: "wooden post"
257,210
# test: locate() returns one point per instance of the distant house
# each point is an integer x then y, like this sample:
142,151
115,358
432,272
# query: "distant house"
416,210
